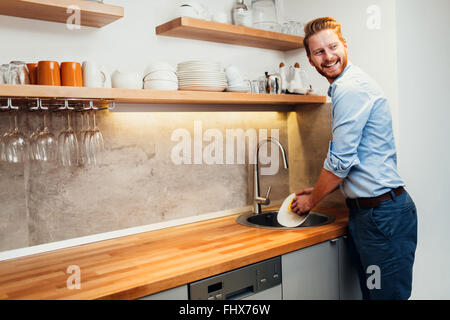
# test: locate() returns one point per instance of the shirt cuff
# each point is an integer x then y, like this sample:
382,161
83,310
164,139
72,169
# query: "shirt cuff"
339,165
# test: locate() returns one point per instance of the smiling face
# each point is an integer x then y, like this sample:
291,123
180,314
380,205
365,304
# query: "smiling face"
328,54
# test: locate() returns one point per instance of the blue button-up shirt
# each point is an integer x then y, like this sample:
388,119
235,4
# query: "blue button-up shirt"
363,149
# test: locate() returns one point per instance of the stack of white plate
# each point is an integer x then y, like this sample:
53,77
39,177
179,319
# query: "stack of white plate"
160,76
201,76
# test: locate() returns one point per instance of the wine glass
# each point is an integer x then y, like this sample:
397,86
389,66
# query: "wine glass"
4,140
17,145
96,144
33,145
68,146
85,134
47,147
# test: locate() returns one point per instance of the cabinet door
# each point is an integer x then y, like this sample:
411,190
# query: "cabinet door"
178,293
311,273
348,276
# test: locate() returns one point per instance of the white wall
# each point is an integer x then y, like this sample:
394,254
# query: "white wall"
129,43
424,155
374,50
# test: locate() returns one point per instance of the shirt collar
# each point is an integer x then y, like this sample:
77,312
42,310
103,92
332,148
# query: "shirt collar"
349,64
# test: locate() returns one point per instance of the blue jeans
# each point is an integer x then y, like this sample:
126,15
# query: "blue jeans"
382,246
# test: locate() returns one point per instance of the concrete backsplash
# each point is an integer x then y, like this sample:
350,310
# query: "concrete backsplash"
137,184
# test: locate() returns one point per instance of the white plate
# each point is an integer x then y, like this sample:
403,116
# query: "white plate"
286,217
201,84
198,63
202,81
200,75
202,88
202,78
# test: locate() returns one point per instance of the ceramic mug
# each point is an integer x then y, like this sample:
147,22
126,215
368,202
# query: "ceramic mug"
71,74
94,76
32,68
48,73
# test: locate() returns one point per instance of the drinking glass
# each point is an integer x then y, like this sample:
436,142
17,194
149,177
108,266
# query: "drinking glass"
85,135
96,144
265,16
4,73
47,147
17,145
4,140
68,146
34,155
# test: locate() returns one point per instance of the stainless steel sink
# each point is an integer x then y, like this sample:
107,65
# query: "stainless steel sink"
268,220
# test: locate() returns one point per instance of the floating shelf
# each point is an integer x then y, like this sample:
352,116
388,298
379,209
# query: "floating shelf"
92,14
190,28
141,96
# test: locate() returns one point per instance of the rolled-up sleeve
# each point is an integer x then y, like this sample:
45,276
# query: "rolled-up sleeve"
351,109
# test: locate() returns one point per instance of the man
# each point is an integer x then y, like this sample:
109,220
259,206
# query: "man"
361,159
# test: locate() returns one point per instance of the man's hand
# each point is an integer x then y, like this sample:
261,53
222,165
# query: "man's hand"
302,203
306,199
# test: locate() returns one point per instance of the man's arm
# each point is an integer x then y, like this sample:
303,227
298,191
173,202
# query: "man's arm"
327,183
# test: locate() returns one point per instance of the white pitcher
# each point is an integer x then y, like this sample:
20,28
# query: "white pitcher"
95,76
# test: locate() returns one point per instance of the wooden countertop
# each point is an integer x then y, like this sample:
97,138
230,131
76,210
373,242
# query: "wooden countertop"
134,266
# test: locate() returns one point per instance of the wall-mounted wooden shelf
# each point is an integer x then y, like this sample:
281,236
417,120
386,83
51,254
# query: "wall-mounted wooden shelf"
92,14
190,28
157,97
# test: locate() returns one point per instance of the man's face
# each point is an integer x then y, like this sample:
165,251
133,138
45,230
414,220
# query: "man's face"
328,54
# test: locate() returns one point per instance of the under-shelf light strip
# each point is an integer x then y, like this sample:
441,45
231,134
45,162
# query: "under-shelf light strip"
55,104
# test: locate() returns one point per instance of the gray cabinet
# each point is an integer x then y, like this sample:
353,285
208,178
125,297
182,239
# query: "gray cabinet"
320,272
348,276
178,293
311,273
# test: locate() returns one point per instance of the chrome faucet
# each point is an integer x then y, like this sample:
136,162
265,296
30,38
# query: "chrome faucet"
257,199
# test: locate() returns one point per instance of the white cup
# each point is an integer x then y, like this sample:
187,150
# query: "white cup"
94,76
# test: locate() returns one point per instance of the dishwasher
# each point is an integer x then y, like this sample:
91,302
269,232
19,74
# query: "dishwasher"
259,281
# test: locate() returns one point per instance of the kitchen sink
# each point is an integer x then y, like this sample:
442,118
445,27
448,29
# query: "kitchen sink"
268,220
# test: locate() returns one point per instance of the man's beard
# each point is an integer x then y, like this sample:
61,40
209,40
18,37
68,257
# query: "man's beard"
342,64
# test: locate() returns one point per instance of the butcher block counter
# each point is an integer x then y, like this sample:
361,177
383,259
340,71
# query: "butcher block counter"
142,264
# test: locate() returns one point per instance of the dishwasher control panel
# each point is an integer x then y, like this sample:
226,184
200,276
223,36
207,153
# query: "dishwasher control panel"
239,283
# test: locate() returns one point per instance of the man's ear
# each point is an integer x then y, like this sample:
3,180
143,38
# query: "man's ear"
344,43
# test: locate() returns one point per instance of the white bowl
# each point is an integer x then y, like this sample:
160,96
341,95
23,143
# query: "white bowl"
160,85
159,66
161,75
126,80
